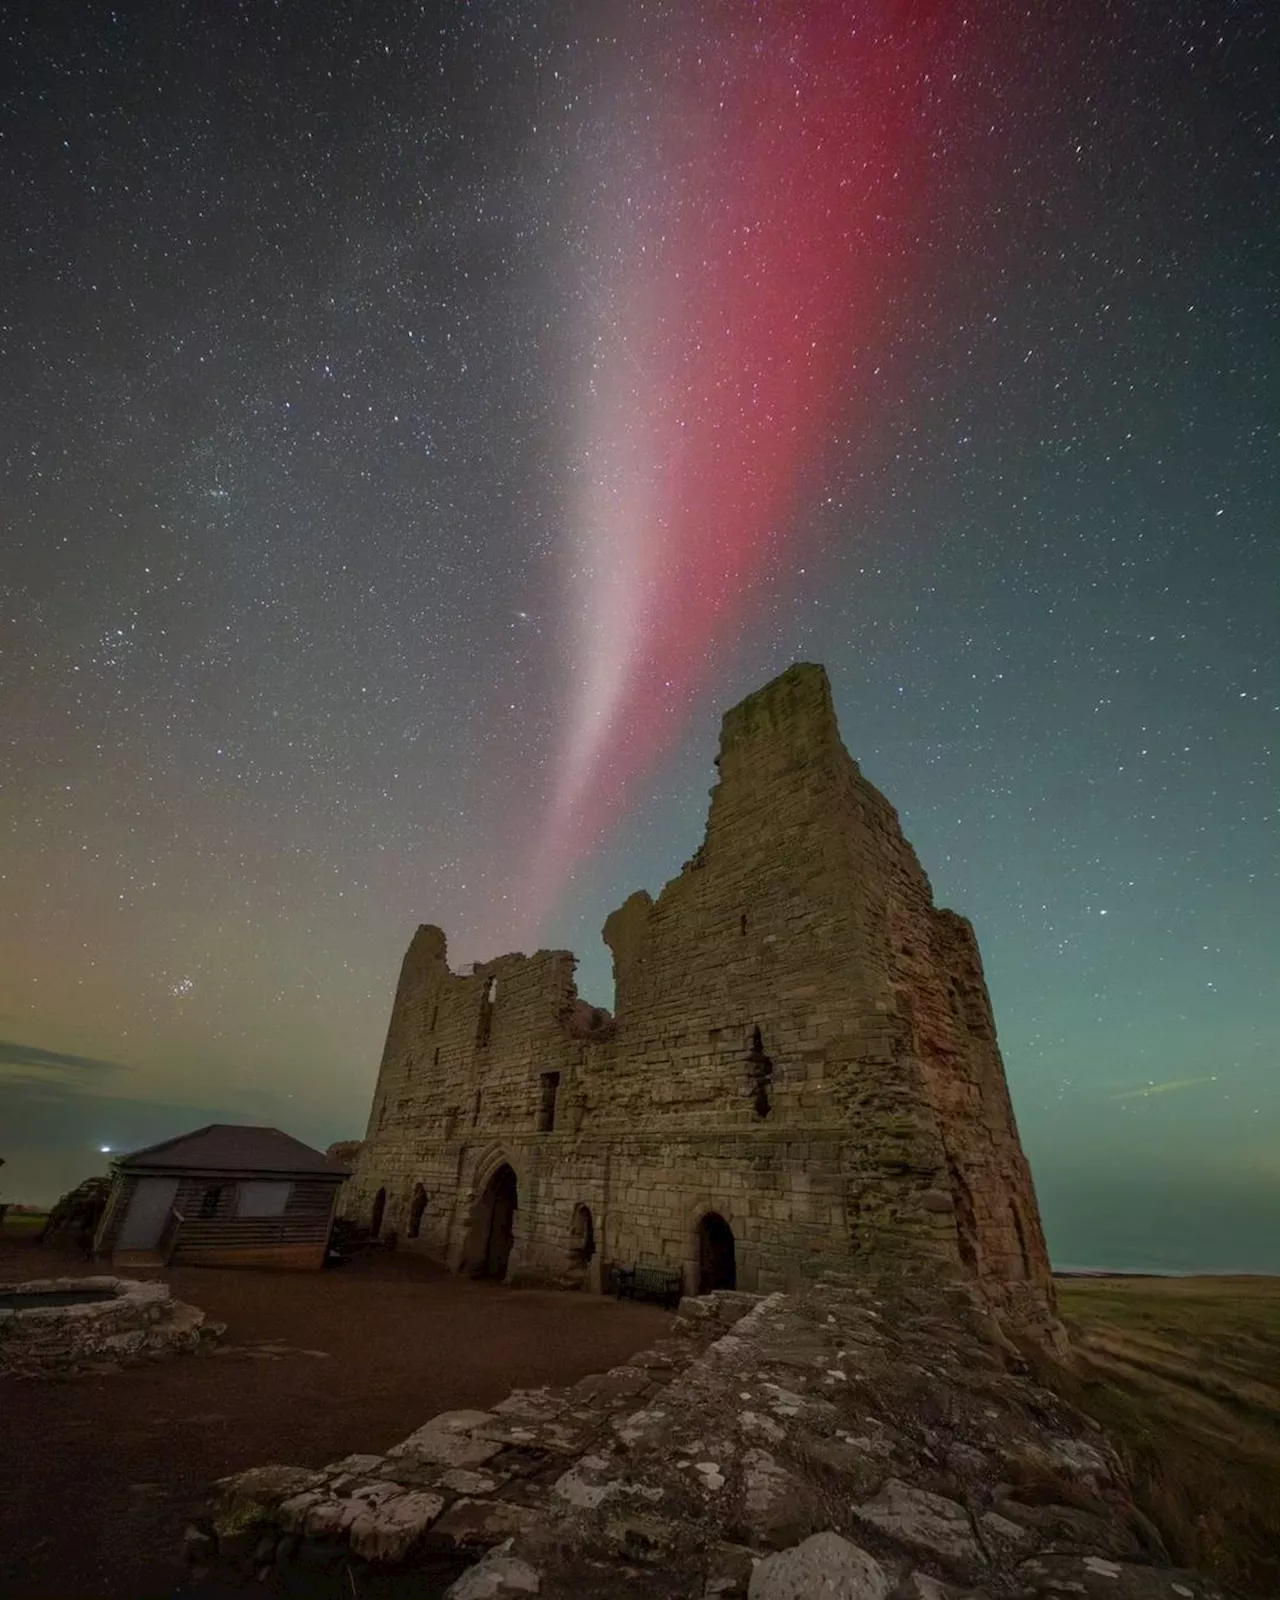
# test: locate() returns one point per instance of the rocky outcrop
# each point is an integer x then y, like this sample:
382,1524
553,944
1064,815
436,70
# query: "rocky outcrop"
870,1441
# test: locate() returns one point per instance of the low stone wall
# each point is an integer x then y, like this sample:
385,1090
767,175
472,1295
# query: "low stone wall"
140,1321
852,1441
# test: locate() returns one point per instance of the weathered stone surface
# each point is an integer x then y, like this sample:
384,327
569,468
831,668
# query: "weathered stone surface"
778,1508
358,1466
824,1567
459,1421
291,1515
1000,1533
1067,1529
803,1049
497,1576
459,1480
483,1522
922,1586
388,1531
923,1521
728,1570
269,1485
446,1447
588,1483
1098,1578
1056,1459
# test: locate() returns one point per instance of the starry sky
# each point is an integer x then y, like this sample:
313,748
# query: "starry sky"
420,421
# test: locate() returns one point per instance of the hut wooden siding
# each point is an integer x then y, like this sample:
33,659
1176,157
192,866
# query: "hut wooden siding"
297,1237
225,1196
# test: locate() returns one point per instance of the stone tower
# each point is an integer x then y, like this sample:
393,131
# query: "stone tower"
801,1073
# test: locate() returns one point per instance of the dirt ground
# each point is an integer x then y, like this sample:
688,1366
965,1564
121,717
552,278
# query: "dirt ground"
99,1474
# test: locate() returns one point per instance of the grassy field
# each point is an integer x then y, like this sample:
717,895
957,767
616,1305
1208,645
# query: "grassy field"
1184,1374
22,1225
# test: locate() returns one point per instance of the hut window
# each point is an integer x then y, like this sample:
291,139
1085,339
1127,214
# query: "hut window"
267,1199
547,1110
210,1200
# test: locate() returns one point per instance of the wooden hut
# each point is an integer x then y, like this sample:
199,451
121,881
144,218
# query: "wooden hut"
226,1196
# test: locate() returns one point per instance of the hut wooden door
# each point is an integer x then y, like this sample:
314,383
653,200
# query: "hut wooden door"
148,1211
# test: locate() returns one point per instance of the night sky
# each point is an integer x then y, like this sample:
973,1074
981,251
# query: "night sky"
420,422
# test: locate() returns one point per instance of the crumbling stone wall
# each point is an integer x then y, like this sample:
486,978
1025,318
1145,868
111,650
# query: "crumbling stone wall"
802,1045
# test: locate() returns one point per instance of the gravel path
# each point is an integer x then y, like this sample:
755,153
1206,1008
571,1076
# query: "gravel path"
99,1474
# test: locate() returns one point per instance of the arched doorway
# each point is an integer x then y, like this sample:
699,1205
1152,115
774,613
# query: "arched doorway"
717,1264
496,1218
583,1237
417,1207
379,1207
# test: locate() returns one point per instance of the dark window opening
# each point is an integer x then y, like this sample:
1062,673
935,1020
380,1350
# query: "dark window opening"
547,1109
761,1069
966,1217
475,1108
379,1207
1022,1239
210,1200
416,1210
435,1017
484,1027
435,1059
742,924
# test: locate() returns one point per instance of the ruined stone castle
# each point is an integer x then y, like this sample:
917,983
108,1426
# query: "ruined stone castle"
801,1072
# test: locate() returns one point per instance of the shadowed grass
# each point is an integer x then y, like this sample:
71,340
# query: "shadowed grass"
23,1224
1184,1374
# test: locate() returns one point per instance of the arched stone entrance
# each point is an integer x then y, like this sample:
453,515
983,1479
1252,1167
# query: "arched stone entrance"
417,1207
717,1260
379,1208
493,1226
582,1235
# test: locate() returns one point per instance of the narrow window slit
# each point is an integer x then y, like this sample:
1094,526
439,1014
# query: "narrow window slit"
761,1069
547,1110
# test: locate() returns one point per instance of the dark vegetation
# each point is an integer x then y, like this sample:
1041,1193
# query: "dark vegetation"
1184,1374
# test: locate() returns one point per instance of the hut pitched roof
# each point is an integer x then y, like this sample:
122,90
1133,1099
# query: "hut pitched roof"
233,1147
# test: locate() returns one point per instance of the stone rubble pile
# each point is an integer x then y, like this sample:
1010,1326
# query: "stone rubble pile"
140,1321
854,1441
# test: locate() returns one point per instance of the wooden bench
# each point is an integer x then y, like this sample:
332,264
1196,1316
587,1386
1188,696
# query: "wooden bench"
659,1284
